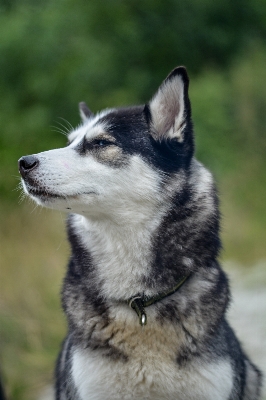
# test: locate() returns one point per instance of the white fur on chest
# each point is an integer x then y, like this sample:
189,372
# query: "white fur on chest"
98,378
121,254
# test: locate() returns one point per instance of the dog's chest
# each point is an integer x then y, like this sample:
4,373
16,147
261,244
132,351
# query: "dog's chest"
149,371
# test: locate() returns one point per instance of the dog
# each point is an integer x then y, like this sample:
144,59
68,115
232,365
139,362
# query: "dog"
144,295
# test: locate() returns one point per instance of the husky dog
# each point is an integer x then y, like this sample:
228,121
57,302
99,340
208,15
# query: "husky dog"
144,295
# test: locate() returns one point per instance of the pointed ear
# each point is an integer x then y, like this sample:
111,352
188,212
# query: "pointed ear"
84,111
170,107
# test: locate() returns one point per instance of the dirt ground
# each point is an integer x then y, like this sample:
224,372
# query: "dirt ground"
247,313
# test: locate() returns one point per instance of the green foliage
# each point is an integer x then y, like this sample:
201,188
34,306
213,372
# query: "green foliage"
229,116
54,54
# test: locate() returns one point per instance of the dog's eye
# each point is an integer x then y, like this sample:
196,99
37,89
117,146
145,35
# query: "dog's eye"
95,144
101,143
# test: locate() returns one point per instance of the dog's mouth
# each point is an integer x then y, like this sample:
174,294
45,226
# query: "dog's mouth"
45,194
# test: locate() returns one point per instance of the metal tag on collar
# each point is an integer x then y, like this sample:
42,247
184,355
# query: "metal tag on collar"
136,303
143,319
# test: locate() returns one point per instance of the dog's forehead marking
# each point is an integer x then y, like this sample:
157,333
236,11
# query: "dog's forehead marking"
94,131
91,128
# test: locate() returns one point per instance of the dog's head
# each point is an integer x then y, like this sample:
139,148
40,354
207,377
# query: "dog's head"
119,156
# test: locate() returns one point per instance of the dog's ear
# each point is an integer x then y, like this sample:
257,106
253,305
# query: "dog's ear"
84,111
169,110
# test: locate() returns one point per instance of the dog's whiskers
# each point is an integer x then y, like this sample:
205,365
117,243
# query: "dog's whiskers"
70,126
59,130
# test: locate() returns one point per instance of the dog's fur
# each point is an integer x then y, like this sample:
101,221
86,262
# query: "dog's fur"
144,213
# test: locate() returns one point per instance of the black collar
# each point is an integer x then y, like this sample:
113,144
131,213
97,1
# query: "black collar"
139,302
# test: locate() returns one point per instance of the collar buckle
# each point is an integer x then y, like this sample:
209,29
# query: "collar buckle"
138,302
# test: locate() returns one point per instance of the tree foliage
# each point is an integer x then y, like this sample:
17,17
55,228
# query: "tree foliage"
111,52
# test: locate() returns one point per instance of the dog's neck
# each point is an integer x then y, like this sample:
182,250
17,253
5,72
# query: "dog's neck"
120,250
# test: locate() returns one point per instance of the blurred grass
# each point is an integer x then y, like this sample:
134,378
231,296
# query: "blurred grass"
33,257
243,223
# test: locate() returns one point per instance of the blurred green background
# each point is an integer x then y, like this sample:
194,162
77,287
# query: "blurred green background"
54,54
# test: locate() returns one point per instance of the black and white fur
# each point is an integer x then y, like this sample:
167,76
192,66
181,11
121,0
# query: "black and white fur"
144,213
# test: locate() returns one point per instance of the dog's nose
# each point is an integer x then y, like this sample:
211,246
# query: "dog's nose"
27,164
